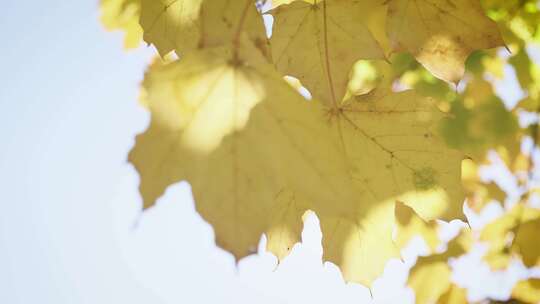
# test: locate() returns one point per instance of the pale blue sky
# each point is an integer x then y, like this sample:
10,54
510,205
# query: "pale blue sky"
70,226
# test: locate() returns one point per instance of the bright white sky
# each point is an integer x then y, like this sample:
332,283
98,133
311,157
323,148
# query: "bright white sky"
70,226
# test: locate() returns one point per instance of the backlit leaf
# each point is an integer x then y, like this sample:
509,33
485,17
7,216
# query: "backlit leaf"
347,166
441,34
332,35
171,24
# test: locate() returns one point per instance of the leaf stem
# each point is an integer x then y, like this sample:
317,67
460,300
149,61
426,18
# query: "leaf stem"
326,55
238,33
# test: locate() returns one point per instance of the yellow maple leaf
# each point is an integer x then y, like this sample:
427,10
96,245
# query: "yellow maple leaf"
123,15
441,34
171,24
393,151
205,86
395,135
184,25
236,181
332,35
350,173
224,21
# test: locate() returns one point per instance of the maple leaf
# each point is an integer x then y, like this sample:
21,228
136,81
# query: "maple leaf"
171,24
337,173
123,15
441,34
224,21
206,87
184,25
394,149
332,36
389,141
235,183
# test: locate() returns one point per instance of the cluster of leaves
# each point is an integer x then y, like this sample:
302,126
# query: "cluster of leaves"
401,116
